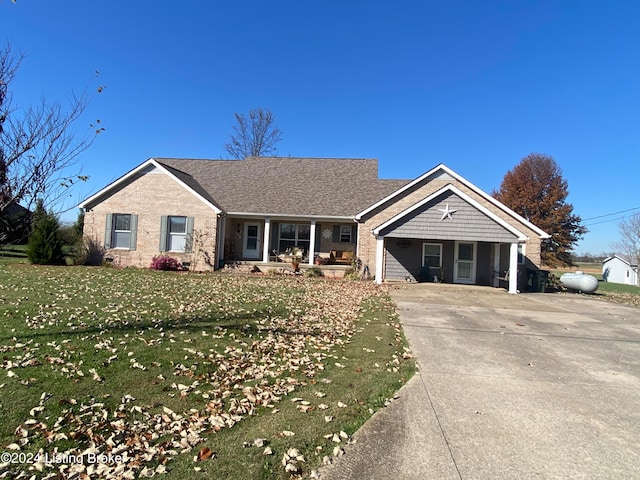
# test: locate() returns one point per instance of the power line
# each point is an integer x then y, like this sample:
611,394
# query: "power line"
610,214
605,221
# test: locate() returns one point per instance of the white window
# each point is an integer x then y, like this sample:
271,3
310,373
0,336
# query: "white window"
432,255
345,234
521,253
175,233
120,231
294,235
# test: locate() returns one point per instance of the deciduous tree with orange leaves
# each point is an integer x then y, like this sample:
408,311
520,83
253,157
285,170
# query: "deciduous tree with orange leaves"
536,190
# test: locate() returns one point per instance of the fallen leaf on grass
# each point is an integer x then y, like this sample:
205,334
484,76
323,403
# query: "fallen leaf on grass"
204,453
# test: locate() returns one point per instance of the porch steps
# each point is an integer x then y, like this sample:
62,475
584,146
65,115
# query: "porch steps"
245,266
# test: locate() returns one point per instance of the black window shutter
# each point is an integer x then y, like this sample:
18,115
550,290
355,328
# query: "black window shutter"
163,233
134,232
336,234
107,231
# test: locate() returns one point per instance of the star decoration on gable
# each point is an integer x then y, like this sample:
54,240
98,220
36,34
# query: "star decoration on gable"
446,212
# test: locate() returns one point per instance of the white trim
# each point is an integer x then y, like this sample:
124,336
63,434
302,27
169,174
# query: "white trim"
282,216
94,198
265,243
477,190
513,268
312,243
246,252
379,258
450,188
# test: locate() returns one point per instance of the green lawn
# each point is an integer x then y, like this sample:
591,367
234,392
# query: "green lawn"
197,375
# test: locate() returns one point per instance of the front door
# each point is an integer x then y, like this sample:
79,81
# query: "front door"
251,244
465,263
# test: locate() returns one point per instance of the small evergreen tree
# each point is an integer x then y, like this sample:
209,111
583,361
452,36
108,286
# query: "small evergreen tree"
45,245
78,227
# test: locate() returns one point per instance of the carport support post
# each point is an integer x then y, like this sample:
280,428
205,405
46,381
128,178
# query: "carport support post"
267,236
513,268
379,258
312,243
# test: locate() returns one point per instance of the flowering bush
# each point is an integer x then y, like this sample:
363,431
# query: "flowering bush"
165,262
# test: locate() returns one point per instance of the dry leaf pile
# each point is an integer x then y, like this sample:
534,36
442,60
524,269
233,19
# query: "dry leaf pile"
195,354
622,297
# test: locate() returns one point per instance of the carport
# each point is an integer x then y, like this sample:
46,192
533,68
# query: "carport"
451,237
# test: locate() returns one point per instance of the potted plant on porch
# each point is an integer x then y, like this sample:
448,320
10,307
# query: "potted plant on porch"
296,258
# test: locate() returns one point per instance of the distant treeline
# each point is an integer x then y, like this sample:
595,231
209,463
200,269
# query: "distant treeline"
590,257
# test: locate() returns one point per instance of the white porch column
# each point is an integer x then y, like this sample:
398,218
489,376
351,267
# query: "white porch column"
312,242
513,268
379,258
266,238
496,264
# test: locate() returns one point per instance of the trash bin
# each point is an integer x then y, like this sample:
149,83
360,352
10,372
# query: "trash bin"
543,277
532,281
537,280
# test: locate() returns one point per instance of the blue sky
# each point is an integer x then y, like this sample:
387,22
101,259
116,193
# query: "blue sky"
476,85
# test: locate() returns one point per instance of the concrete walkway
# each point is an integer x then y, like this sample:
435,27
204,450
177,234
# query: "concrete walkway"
510,387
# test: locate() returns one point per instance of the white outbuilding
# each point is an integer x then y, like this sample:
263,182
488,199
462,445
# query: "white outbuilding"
620,269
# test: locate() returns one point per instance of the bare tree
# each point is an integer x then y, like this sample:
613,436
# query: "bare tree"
629,243
38,147
255,135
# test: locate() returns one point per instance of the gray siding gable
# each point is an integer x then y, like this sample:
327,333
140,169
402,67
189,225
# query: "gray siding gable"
466,223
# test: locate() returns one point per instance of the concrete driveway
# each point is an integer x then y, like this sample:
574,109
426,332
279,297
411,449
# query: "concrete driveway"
510,387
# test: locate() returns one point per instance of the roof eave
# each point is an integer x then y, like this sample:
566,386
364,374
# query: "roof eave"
290,216
93,198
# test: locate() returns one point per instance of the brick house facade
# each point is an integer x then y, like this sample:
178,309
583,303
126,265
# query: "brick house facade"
149,196
208,212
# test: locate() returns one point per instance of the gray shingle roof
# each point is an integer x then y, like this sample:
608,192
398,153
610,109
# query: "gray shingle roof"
285,185
631,260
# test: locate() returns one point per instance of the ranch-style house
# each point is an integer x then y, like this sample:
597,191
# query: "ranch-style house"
323,211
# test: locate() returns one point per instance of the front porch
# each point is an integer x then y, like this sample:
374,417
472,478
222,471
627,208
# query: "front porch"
276,242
